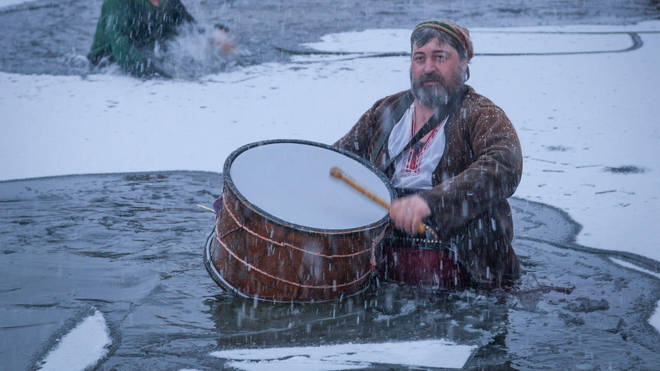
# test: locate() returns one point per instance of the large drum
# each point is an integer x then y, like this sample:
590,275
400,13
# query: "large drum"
287,231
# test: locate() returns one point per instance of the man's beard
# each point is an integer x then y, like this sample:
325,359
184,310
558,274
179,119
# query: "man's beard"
435,96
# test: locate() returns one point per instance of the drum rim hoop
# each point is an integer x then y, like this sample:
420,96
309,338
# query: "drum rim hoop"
228,182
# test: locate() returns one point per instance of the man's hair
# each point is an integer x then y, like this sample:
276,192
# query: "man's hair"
423,35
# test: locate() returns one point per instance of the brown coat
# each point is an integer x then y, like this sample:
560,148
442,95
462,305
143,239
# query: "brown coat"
480,168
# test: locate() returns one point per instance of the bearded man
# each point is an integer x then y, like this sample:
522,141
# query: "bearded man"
454,158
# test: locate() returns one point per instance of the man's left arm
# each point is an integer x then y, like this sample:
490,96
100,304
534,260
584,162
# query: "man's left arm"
491,178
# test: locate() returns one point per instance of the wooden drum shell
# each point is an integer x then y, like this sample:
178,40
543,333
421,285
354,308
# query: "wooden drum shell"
257,255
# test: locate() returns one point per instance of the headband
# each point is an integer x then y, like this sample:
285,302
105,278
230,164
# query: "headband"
460,34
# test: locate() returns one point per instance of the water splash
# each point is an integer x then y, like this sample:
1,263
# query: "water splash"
199,50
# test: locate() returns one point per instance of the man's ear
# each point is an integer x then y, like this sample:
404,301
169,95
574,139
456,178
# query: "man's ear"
464,67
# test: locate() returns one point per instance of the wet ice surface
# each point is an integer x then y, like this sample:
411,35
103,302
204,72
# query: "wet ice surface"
130,246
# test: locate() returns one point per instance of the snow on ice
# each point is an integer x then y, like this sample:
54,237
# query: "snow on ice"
424,353
82,347
5,3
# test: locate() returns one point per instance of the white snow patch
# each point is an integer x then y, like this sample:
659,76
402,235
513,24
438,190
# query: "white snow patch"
643,26
4,3
484,40
82,347
425,353
655,318
375,41
624,263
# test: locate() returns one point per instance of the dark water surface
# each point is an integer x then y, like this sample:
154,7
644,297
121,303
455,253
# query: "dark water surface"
130,245
53,36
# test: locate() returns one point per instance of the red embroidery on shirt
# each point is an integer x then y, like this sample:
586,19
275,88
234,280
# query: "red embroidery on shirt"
416,152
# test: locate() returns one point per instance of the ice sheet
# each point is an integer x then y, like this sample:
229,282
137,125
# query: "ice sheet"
655,318
4,3
485,41
424,353
82,347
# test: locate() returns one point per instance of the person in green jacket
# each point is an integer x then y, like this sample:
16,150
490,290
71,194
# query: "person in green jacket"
128,30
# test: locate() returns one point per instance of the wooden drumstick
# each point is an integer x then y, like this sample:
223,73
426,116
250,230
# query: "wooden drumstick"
337,173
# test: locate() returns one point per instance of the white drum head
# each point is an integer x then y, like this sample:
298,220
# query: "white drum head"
292,182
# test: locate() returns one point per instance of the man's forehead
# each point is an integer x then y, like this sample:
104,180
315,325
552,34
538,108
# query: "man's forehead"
434,45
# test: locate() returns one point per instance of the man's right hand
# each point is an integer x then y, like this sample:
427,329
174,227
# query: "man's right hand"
407,213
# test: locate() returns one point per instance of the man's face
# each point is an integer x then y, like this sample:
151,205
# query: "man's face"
436,73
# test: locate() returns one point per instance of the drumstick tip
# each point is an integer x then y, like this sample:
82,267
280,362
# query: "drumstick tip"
335,172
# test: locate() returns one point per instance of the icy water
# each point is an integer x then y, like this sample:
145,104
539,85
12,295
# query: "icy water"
130,245
53,37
